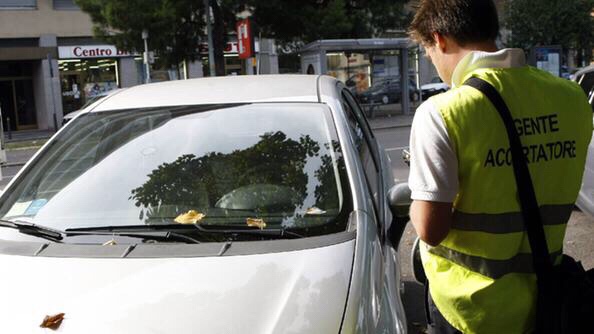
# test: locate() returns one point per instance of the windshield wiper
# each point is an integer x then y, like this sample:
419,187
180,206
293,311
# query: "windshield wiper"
231,229
242,229
123,231
34,229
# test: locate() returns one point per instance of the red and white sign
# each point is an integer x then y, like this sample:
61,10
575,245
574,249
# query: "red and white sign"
91,51
244,39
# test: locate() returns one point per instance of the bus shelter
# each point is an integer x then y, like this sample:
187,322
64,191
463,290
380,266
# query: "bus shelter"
372,69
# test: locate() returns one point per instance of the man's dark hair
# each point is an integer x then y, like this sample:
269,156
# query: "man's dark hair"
465,21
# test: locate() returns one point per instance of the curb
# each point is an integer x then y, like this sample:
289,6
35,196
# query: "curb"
23,148
13,164
391,126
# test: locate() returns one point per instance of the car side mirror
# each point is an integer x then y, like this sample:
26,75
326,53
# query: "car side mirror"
399,201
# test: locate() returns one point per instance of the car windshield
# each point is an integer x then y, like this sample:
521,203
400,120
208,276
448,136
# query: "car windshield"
275,166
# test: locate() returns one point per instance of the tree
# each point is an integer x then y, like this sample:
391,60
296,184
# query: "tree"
177,27
568,23
303,21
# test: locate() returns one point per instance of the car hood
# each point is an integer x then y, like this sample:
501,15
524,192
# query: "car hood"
301,291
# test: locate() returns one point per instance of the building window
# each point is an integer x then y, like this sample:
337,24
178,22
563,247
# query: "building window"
65,5
18,4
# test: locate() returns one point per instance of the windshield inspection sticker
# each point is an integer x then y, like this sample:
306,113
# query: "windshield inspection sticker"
18,209
35,206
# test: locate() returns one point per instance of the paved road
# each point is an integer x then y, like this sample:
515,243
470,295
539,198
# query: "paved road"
579,240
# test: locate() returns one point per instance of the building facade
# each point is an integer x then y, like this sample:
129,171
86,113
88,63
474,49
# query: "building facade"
50,64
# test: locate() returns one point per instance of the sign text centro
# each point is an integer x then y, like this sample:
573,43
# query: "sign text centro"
91,51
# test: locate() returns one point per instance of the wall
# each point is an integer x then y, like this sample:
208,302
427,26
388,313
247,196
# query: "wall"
45,20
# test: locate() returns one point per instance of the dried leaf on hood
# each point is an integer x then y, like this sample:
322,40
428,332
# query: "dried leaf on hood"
256,222
190,217
52,321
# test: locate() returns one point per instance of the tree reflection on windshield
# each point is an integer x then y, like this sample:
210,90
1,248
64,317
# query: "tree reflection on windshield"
278,176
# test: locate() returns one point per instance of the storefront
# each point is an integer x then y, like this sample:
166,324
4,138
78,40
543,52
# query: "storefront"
88,71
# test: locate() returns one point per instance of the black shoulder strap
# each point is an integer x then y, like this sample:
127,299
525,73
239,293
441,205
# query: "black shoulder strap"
543,265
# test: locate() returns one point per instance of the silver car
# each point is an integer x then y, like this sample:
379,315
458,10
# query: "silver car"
254,204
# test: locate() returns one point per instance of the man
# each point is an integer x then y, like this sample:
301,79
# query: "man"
465,207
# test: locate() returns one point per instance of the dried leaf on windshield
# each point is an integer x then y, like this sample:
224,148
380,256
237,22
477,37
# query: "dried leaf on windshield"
111,242
52,322
190,217
256,222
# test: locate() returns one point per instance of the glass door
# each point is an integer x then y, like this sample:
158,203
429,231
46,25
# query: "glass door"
18,104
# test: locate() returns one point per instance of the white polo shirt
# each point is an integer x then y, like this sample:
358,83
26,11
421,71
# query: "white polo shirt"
433,162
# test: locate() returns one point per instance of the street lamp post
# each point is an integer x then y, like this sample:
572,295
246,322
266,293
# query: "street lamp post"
211,60
145,36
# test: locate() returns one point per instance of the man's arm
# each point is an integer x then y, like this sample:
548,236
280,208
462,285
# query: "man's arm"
431,220
433,178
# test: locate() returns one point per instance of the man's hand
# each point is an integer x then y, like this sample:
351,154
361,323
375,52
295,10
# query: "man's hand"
431,220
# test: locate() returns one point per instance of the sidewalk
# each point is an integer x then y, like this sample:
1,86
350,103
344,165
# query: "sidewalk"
27,135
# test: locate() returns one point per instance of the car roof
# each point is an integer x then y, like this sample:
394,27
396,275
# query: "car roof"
219,90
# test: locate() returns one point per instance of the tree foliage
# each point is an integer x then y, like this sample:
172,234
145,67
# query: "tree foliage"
174,27
309,20
274,162
568,23
177,27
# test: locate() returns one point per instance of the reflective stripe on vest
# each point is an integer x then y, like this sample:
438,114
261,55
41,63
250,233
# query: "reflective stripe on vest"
521,263
508,222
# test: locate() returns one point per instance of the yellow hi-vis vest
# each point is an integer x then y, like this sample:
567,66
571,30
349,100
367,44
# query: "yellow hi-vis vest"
481,276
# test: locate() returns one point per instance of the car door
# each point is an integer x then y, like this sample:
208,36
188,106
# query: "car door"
390,310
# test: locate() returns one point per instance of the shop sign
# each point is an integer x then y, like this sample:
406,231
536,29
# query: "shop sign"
91,51
244,39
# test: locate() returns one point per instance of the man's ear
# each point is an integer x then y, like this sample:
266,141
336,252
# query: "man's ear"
440,42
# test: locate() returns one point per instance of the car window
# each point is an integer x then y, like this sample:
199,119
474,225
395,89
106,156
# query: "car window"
277,162
367,151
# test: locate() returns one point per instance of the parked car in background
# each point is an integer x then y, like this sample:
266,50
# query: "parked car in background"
436,86
386,92
585,200
247,204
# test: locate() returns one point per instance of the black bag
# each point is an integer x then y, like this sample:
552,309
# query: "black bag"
565,299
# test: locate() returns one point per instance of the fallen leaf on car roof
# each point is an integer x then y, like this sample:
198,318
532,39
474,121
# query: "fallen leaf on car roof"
190,217
256,222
